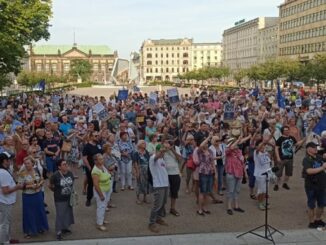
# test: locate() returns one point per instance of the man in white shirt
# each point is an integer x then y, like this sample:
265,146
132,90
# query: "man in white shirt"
160,184
8,190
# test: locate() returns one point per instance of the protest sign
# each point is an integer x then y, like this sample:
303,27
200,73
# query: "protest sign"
152,98
298,102
228,111
173,95
318,103
123,94
100,110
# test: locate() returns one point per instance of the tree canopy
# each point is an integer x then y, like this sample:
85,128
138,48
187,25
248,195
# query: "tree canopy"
81,68
21,23
206,73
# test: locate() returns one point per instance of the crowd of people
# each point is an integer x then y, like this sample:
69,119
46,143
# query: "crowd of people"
215,140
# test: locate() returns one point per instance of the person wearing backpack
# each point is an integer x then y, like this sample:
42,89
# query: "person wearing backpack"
159,175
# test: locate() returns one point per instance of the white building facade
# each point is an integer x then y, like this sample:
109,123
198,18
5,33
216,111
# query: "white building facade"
242,44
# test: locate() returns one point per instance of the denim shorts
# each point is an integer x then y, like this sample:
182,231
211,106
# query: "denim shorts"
206,183
315,196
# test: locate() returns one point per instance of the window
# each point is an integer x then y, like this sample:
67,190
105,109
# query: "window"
167,62
156,70
47,67
167,69
167,55
66,67
185,62
185,55
149,55
156,55
54,67
38,67
149,62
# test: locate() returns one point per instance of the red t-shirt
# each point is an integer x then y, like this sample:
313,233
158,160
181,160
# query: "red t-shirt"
20,158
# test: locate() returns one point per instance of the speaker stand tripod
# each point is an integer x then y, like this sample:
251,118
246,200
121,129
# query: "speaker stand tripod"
268,229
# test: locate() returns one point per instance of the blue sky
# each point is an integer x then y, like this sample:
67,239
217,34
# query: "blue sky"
125,24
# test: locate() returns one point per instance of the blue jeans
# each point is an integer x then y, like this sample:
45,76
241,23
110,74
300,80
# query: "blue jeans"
219,170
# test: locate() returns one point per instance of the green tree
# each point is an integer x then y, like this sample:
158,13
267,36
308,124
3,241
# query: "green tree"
318,69
4,81
22,22
239,75
81,68
255,73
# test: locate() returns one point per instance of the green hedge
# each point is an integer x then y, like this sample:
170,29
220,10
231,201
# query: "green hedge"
83,85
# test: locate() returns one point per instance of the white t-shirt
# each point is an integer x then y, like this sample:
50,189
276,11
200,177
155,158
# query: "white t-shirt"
262,163
158,171
7,180
172,164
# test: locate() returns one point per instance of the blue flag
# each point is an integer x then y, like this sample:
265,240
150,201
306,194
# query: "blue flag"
255,92
279,96
320,126
40,85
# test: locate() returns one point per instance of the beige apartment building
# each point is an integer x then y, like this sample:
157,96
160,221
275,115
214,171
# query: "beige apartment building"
56,59
268,43
302,28
244,43
164,59
206,54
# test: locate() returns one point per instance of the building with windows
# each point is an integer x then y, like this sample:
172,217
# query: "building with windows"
268,43
244,43
56,59
164,59
206,54
302,30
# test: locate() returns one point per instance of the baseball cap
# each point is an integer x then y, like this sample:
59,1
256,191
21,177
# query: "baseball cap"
311,144
5,156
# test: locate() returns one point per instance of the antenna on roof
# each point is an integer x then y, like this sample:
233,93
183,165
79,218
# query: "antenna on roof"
75,44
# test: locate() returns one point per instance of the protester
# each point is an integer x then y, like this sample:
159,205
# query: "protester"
102,186
90,150
34,215
160,180
8,189
141,165
61,183
173,161
314,173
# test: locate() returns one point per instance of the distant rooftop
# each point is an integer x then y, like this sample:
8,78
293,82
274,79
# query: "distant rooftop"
53,49
169,41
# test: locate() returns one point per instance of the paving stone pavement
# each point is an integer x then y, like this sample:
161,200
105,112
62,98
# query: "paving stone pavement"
299,237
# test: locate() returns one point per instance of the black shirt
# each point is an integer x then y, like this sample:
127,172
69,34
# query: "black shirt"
313,181
286,145
63,185
91,150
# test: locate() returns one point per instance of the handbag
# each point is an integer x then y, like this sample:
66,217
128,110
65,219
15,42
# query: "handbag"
190,163
73,201
66,146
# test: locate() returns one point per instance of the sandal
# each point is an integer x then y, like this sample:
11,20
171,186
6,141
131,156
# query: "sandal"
217,201
206,211
239,210
174,212
200,212
253,197
229,212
